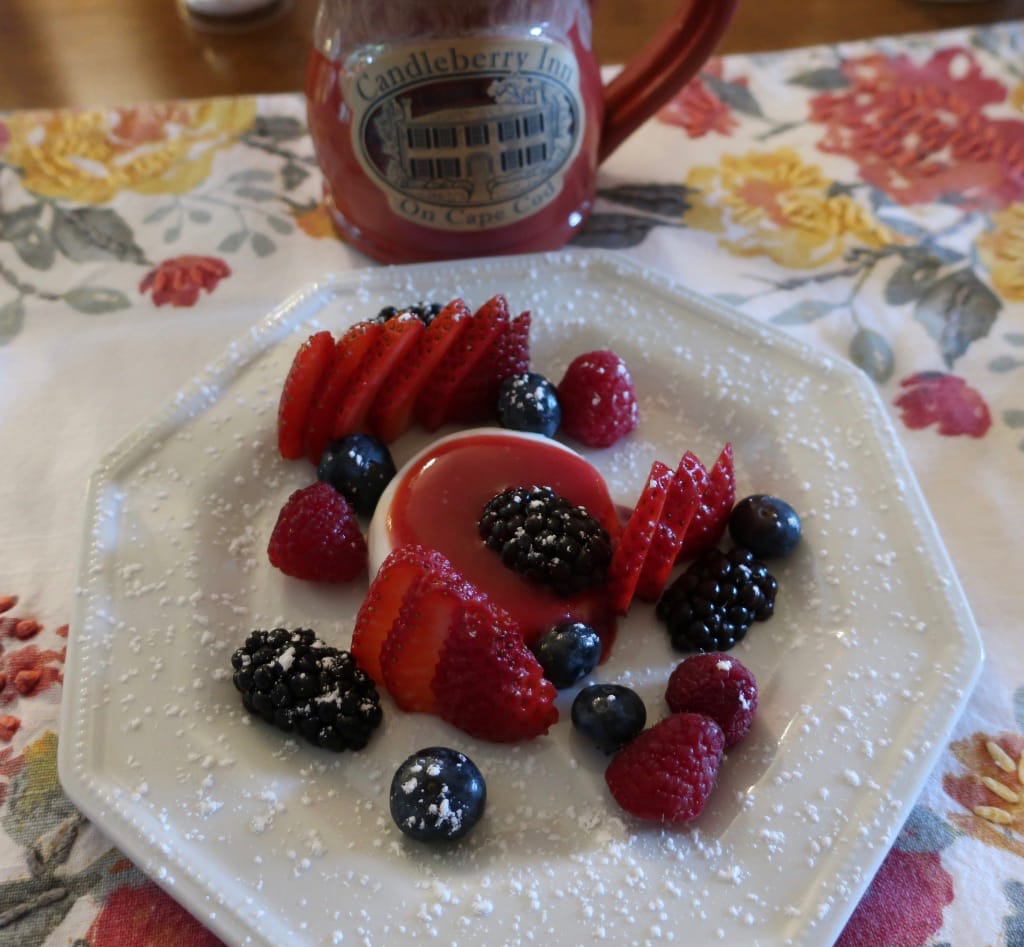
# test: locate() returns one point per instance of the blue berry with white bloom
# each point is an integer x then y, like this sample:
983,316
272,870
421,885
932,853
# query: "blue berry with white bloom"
529,402
437,795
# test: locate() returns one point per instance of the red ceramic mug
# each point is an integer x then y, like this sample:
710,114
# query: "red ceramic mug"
454,128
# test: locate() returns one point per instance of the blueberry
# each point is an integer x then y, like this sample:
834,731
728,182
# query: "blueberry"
529,402
437,795
767,526
359,467
568,653
425,312
610,715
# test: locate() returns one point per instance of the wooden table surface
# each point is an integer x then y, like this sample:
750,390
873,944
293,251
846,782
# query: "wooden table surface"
101,52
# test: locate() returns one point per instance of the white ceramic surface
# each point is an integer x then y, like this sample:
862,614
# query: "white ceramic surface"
863,669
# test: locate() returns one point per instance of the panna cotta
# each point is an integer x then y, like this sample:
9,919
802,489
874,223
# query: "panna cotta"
437,498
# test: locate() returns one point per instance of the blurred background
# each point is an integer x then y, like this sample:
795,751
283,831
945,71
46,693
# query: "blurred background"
99,52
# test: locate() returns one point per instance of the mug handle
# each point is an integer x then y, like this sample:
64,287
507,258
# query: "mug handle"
662,68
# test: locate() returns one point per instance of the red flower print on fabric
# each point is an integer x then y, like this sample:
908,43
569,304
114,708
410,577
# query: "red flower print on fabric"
904,903
697,110
178,280
919,132
143,916
945,400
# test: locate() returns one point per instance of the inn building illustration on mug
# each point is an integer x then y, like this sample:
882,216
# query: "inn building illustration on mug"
450,148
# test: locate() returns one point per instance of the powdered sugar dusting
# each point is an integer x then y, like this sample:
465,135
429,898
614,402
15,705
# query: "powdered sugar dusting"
296,846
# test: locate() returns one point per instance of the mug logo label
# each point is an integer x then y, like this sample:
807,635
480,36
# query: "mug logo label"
467,134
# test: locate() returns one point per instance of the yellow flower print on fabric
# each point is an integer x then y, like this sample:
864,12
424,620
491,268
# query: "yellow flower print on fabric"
91,156
1002,251
773,204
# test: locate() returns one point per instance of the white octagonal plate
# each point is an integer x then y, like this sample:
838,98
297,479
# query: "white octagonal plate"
863,670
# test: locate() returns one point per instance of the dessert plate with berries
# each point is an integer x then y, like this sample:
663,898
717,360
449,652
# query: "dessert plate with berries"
525,600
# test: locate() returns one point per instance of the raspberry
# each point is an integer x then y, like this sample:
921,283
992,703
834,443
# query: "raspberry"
598,399
718,686
316,537
666,774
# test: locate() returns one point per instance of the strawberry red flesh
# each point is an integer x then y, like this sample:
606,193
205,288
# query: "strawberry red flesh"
310,366
710,521
684,499
383,602
351,349
397,338
628,558
392,411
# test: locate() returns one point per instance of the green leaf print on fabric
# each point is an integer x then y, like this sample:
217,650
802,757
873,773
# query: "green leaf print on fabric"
957,310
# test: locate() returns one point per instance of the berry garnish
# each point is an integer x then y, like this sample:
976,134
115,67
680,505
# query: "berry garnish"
598,399
488,683
681,505
295,681
547,539
609,715
383,602
311,364
635,542
713,603
392,410
425,312
529,402
464,386
718,686
437,795
667,773
709,522
317,537
359,467
568,653
352,347
767,526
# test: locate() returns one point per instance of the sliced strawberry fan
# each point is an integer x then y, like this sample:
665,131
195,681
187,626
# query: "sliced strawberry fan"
310,366
689,485
710,521
631,551
351,349
392,411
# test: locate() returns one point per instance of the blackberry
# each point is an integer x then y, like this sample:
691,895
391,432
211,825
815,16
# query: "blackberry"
546,539
295,681
713,603
529,402
425,312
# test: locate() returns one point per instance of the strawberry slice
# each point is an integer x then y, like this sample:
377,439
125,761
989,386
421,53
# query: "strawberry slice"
397,338
709,523
392,411
488,683
681,505
514,351
630,553
351,349
441,399
310,365
475,398
383,602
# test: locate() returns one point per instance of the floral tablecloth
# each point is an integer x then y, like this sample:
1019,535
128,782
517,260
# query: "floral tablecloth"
868,198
